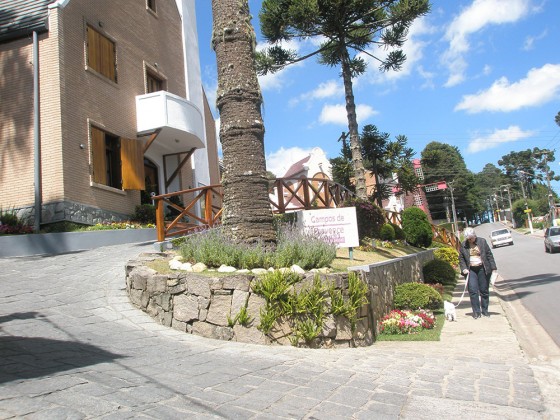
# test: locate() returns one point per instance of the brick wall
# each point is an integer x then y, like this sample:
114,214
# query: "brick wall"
16,123
73,96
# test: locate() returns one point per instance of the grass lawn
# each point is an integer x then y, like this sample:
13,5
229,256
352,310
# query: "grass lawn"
343,261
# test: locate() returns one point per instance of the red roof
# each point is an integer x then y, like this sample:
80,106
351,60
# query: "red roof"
296,168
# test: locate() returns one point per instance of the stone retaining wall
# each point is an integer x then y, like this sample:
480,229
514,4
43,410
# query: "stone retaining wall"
202,303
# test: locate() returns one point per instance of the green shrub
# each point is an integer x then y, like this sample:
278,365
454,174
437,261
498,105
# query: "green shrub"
307,251
416,227
145,213
399,234
11,224
438,271
369,216
447,254
387,232
9,219
416,295
438,287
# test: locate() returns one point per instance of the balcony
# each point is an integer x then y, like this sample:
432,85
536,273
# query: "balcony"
180,121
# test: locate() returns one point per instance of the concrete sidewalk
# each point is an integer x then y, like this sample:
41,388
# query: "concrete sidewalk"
72,346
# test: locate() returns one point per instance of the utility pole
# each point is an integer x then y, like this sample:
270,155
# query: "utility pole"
455,226
550,195
497,206
510,206
502,201
550,198
529,214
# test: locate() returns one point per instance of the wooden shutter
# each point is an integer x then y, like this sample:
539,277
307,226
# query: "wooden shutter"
132,164
107,58
101,54
98,156
92,48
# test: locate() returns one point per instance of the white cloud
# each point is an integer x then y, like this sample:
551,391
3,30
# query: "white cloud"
428,78
327,89
530,40
413,48
279,162
540,86
498,137
336,114
477,16
274,81
277,81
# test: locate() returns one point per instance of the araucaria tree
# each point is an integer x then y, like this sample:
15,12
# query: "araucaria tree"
247,215
384,157
346,29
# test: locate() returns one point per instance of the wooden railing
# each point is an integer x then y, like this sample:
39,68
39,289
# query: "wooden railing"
445,237
290,194
210,199
307,193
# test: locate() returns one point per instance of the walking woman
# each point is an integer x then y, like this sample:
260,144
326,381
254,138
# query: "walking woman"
477,262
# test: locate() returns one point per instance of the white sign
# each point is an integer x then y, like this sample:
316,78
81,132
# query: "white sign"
338,226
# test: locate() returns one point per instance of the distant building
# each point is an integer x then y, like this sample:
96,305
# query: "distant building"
398,202
316,165
121,110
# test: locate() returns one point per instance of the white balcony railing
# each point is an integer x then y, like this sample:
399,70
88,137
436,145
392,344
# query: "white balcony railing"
180,121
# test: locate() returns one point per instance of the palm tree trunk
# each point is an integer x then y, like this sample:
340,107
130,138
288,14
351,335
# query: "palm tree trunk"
247,214
356,149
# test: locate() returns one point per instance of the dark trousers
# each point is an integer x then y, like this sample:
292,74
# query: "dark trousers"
479,283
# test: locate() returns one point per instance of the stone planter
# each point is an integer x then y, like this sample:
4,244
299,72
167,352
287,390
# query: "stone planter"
204,304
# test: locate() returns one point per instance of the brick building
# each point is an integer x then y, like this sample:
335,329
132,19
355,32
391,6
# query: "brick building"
101,104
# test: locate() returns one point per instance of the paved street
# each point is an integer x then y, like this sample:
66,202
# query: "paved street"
72,346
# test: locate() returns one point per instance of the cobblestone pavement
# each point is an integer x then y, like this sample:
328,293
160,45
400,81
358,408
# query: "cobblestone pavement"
72,346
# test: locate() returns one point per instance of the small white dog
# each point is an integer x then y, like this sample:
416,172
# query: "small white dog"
449,309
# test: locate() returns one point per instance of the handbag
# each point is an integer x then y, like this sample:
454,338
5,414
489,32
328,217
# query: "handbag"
493,277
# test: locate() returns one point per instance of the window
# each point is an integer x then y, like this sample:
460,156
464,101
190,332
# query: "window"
101,54
417,200
151,4
116,162
153,83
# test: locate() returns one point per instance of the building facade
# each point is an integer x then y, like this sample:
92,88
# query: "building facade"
101,105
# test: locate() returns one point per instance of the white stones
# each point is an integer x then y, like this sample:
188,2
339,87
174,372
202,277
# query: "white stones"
226,269
175,264
199,267
186,267
297,269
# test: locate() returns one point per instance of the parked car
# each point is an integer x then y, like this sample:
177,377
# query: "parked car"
500,237
552,239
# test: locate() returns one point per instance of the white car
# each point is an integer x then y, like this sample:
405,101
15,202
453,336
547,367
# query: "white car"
501,237
552,239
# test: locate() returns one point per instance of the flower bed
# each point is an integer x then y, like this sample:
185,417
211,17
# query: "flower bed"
406,322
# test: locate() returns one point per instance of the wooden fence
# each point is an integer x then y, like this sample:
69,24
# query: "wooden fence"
286,195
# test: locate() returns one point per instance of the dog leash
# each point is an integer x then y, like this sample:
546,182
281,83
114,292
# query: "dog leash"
465,289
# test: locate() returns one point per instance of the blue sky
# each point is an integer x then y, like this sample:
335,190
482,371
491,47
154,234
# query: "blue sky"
482,75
